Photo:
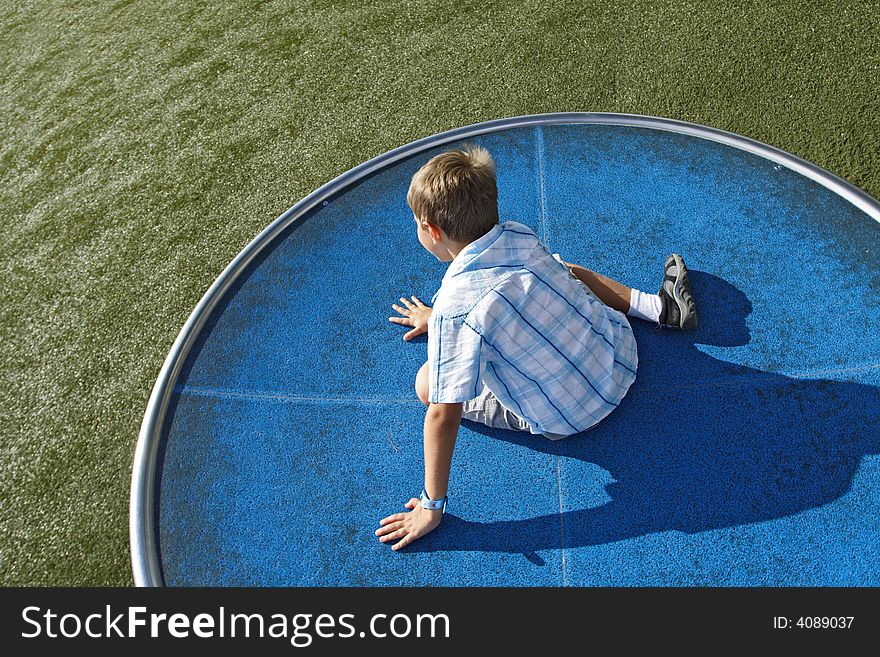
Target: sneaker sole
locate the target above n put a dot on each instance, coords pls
(687, 306)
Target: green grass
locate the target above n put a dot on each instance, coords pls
(145, 143)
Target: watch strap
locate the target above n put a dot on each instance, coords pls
(433, 505)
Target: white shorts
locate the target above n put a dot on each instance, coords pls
(486, 409)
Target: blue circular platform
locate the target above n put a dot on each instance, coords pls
(284, 423)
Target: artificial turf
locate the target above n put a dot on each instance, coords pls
(144, 144)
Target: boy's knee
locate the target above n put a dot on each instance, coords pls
(422, 384)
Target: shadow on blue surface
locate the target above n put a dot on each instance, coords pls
(698, 444)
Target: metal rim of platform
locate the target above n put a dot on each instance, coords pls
(145, 557)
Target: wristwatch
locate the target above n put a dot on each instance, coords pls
(433, 505)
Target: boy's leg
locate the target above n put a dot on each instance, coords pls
(422, 383)
(627, 300)
(610, 292)
(673, 305)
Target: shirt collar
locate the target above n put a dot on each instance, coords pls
(472, 250)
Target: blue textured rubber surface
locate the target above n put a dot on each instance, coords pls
(746, 453)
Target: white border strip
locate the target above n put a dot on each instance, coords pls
(144, 549)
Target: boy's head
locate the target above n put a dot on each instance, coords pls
(456, 192)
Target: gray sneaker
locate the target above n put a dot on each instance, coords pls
(679, 307)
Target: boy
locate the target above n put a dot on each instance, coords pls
(517, 338)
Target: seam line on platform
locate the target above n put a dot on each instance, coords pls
(539, 147)
(747, 380)
(247, 394)
(561, 519)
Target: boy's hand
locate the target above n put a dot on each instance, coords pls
(416, 314)
(408, 526)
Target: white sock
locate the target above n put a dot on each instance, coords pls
(645, 306)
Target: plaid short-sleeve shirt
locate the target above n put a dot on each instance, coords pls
(511, 317)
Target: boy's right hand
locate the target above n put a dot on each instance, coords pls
(408, 526)
(415, 314)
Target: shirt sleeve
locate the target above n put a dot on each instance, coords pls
(455, 364)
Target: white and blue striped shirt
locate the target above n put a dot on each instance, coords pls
(510, 316)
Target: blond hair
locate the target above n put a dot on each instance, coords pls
(456, 190)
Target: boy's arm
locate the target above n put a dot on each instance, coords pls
(441, 429)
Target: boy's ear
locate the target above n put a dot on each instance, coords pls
(435, 232)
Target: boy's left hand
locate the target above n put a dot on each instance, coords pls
(415, 314)
(408, 526)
